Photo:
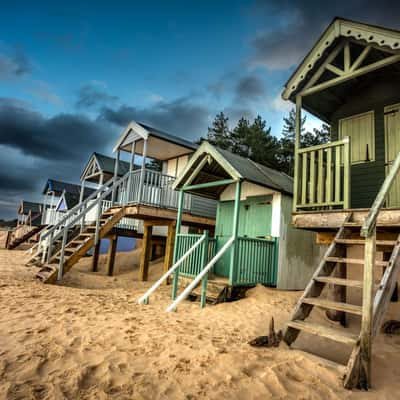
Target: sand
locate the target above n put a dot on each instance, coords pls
(88, 339)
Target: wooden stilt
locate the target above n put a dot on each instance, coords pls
(146, 252)
(95, 257)
(111, 255)
(169, 248)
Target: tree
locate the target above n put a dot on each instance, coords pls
(307, 139)
(219, 134)
(263, 146)
(239, 138)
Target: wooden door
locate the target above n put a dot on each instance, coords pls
(392, 148)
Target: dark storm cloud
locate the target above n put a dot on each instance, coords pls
(180, 117)
(14, 65)
(249, 87)
(93, 95)
(34, 148)
(64, 136)
(285, 43)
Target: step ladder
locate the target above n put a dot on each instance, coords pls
(63, 244)
(335, 260)
(15, 242)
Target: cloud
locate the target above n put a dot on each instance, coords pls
(35, 147)
(284, 44)
(93, 95)
(43, 91)
(14, 65)
(63, 136)
(181, 117)
(249, 87)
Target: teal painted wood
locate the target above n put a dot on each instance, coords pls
(257, 262)
(194, 264)
(204, 260)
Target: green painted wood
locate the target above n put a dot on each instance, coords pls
(222, 182)
(320, 187)
(296, 151)
(312, 177)
(204, 261)
(235, 230)
(338, 175)
(328, 188)
(178, 230)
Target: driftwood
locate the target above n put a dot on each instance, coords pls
(391, 327)
(272, 340)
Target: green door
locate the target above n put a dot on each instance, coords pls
(255, 216)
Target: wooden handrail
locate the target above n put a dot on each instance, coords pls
(324, 146)
(370, 221)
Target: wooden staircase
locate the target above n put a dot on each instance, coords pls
(332, 271)
(15, 242)
(77, 246)
(218, 289)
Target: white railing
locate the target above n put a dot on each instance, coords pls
(200, 276)
(145, 298)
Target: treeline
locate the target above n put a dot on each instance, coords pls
(254, 140)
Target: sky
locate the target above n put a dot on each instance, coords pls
(73, 74)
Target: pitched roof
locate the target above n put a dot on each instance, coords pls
(27, 206)
(137, 130)
(339, 27)
(107, 164)
(53, 185)
(236, 167)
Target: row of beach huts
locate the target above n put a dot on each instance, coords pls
(224, 222)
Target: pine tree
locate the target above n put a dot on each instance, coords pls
(219, 134)
(239, 138)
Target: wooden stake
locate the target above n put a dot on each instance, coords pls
(146, 252)
(111, 255)
(95, 257)
(169, 248)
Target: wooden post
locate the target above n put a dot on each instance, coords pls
(129, 196)
(116, 165)
(178, 231)
(366, 320)
(235, 229)
(296, 149)
(142, 171)
(169, 248)
(82, 190)
(204, 256)
(111, 254)
(146, 252)
(95, 257)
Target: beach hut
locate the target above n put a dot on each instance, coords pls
(143, 194)
(253, 240)
(348, 190)
(29, 216)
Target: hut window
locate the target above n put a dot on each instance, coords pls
(361, 131)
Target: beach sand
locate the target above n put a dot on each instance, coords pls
(88, 339)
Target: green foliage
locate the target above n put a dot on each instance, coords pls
(254, 140)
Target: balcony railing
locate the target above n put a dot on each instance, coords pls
(323, 177)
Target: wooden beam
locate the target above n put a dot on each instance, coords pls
(347, 58)
(199, 167)
(223, 182)
(235, 229)
(169, 248)
(95, 257)
(360, 58)
(111, 255)
(146, 253)
(335, 70)
(351, 75)
(296, 151)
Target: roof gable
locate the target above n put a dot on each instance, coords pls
(384, 38)
(210, 163)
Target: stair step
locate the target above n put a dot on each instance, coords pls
(339, 281)
(325, 331)
(85, 234)
(378, 225)
(333, 305)
(354, 261)
(362, 242)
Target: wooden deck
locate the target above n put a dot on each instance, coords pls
(148, 213)
(331, 220)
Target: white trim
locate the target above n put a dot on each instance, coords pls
(381, 37)
(138, 131)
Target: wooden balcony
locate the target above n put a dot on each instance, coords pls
(322, 177)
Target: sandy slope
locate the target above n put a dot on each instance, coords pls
(87, 339)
